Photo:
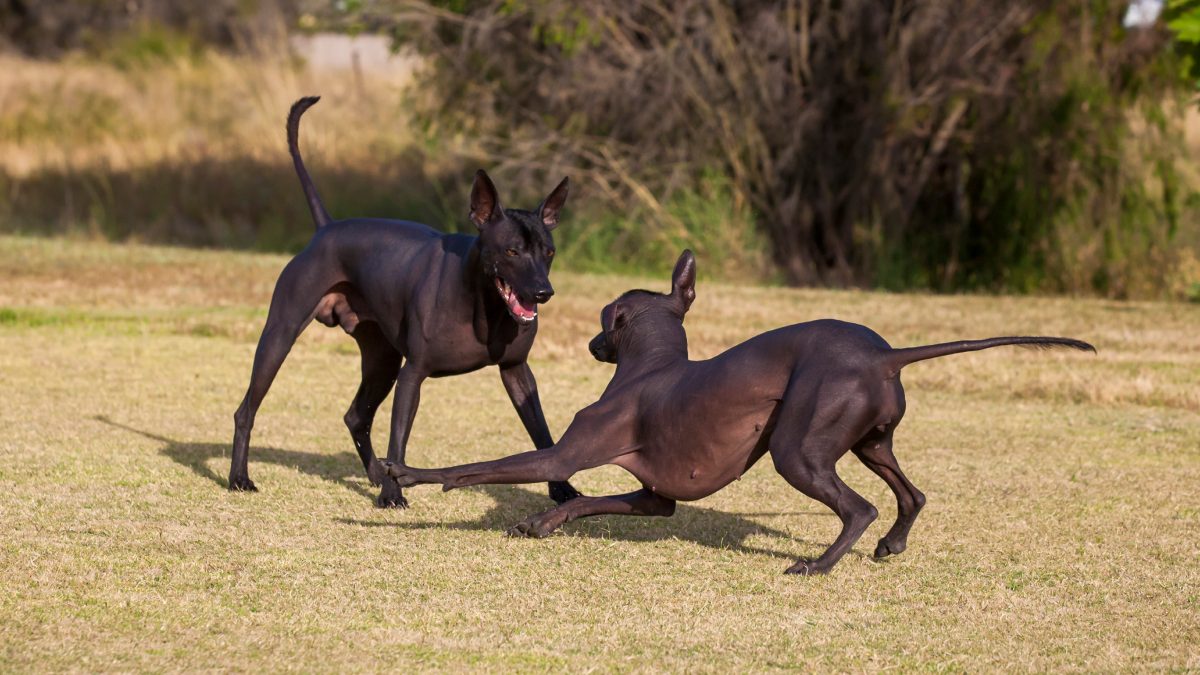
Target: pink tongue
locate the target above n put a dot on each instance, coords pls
(521, 308)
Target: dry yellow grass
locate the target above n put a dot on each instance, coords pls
(79, 114)
(191, 149)
(1061, 534)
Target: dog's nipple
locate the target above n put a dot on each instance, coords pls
(695, 472)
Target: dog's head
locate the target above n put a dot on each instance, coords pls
(516, 248)
(639, 309)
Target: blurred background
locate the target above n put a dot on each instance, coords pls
(1026, 146)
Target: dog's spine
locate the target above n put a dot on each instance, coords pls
(898, 358)
(319, 214)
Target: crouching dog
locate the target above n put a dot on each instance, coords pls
(805, 393)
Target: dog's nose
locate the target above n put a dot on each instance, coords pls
(543, 295)
(598, 348)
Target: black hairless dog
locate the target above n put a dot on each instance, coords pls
(420, 304)
(805, 393)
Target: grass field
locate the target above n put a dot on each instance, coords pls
(1062, 529)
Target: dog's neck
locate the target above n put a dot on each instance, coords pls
(657, 341)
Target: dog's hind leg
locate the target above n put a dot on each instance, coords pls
(292, 308)
(640, 503)
(876, 453)
(380, 363)
(806, 446)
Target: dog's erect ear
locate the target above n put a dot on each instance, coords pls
(484, 202)
(683, 279)
(612, 318)
(552, 204)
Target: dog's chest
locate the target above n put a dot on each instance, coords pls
(456, 348)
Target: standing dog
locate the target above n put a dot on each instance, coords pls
(420, 304)
(805, 393)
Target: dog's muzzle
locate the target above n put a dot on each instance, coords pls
(601, 350)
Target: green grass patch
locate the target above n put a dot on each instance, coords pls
(37, 318)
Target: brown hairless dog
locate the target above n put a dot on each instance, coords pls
(806, 393)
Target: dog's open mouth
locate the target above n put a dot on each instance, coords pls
(521, 310)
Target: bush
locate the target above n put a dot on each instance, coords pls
(1015, 145)
(43, 28)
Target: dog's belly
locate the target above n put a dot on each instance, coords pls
(693, 463)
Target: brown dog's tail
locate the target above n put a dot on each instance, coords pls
(898, 358)
(319, 214)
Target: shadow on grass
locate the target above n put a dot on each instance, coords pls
(704, 526)
(707, 527)
(337, 468)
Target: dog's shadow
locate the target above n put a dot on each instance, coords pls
(510, 504)
(339, 468)
(707, 527)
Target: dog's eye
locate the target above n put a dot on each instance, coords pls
(550, 253)
(512, 253)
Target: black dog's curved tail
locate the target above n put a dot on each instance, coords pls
(898, 358)
(319, 214)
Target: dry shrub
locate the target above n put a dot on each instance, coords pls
(44, 29)
(975, 144)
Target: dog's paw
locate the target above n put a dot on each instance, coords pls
(806, 568)
(886, 548)
(521, 529)
(563, 492)
(399, 474)
(390, 497)
(242, 484)
(398, 501)
(530, 527)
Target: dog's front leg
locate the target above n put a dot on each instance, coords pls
(522, 391)
(527, 467)
(404, 411)
(556, 463)
(595, 437)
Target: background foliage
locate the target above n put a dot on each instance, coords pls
(1020, 145)
(1028, 146)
